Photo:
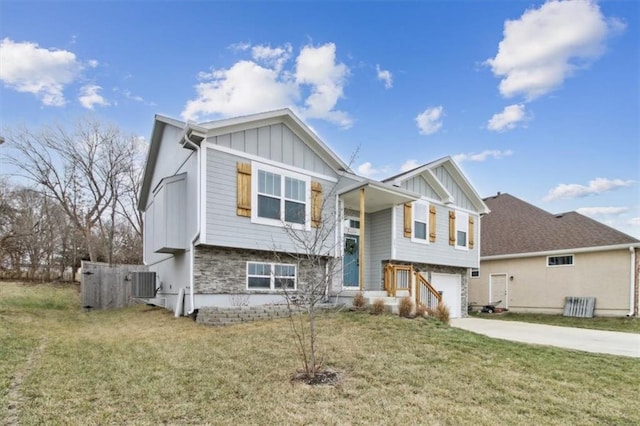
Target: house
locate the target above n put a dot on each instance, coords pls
(222, 199)
(531, 260)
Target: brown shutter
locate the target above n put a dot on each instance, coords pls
(407, 220)
(244, 189)
(316, 204)
(471, 232)
(452, 228)
(432, 224)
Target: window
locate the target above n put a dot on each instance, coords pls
(462, 229)
(560, 260)
(281, 197)
(270, 276)
(420, 213)
(475, 272)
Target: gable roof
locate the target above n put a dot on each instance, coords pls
(427, 171)
(517, 227)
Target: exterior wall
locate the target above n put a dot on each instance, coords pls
(225, 228)
(438, 252)
(537, 288)
(378, 246)
(221, 272)
(419, 185)
(449, 182)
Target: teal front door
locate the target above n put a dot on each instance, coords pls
(350, 262)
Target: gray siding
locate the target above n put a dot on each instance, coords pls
(225, 228)
(378, 244)
(419, 185)
(439, 252)
(461, 199)
(277, 143)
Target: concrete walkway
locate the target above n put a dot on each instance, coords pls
(597, 341)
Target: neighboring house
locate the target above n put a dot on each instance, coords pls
(220, 199)
(531, 260)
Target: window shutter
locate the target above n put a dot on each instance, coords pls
(432, 224)
(316, 204)
(471, 232)
(407, 220)
(244, 189)
(452, 228)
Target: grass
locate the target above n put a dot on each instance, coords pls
(627, 325)
(141, 365)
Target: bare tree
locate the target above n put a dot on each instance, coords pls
(84, 170)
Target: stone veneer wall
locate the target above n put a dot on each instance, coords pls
(223, 270)
(440, 269)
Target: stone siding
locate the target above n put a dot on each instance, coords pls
(216, 316)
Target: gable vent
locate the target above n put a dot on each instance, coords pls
(143, 284)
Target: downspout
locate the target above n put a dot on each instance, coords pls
(196, 235)
(632, 282)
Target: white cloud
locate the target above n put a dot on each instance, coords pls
(602, 211)
(28, 68)
(409, 165)
(546, 45)
(430, 120)
(634, 221)
(507, 119)
(596, 186)
(385, 76)
(90, 96)
(265, 83)
(482, 156)
(368, 170)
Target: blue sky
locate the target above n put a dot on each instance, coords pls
(537, 99)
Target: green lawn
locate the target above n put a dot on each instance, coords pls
(141, 365)
(627, 325)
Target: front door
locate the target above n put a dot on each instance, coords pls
(350, 263)
(498, 290)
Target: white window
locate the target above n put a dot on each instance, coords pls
(462, 230)
(420, 213)
(270, 276)
(282, 197)
(475, 272)
(566, 260)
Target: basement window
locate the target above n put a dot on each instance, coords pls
(270, 276)
(566, 260)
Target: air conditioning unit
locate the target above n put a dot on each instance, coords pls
(143, 284)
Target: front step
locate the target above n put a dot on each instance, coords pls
(391, 303)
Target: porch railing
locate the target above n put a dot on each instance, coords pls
(426, 294)
(399, 277)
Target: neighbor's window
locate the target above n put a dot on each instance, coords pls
(281, 197)
(420, 212)
(475, 272)
(462, 229)
(566, 260)
(270, 276)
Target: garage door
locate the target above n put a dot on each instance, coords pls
(450, 285)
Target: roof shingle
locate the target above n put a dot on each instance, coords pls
(515, 226)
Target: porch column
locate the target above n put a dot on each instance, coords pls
(362, 236)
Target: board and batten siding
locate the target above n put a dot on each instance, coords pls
(378, 245)
(461, 199)
(438, 252)
(224, 227)
(277, 143)
(419, 185)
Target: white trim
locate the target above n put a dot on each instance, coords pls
(573, 260)
(506, 288)
(255, 168)
(272, 276)
(267, 161)
(632, 282)
(349, 230)
(393, 231)
(555, 252)
(471, 273)
(203, 196)
(462, 225)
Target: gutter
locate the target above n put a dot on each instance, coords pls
(632, 283)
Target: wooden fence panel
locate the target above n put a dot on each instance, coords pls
(106, 286)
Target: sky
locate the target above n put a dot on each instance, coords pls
(537, 99)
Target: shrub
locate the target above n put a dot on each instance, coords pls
(442, 313)
(358, 301)
(421, 310)
(377, 307)
(405, 307)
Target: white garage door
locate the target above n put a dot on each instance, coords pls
(451, 287)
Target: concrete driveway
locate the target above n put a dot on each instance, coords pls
(597, 341)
